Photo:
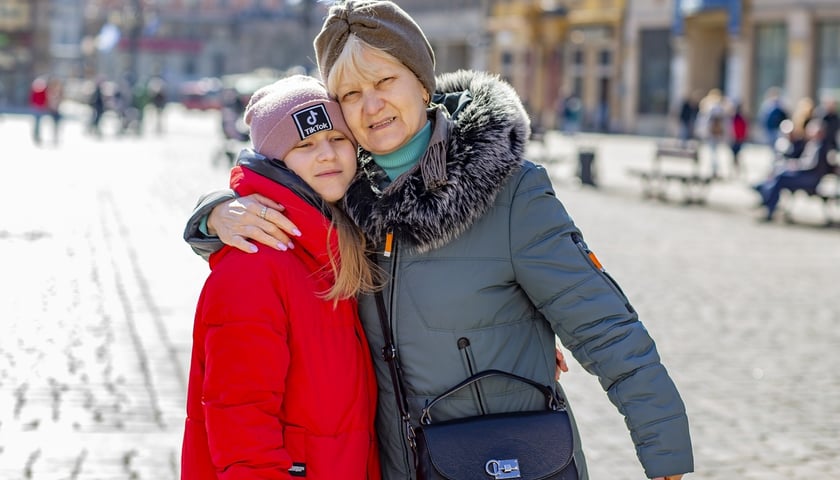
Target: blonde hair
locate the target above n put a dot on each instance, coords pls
(350, 62)
(353, 269)
(803, 112)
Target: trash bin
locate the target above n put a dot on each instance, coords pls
(586, 166)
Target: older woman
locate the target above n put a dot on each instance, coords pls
(486, 266)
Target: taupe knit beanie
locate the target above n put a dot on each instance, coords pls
(379, 23)
(287, 111)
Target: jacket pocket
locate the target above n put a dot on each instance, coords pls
(590, 257)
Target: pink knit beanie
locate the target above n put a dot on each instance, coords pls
(287, 111)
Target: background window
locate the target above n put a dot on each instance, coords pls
(828, 60)
(771, 46)
(654, 71)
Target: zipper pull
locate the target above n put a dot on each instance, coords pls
(579, 241)
(595, 260)
(389, 244)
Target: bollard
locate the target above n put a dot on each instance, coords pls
(586, 166)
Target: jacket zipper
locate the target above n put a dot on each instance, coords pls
(466, 351)
(390, 251)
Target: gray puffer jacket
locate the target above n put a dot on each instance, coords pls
(486, 267)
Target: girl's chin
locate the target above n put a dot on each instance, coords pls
(332, 193)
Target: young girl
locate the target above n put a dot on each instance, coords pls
(281, 381)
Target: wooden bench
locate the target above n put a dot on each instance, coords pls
(828, 192)
(674, 163)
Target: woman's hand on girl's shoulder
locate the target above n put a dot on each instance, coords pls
(252, 217)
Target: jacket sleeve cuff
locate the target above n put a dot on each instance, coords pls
(678, 458)
(195, 233)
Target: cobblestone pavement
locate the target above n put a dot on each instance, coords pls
(98, 291)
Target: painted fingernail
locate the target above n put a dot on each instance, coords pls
(282, 246)
(291, 245)
(296, 232)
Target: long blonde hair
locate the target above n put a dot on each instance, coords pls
(353, 269)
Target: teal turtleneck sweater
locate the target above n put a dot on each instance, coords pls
(401, 160)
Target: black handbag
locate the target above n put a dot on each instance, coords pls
(526, 445)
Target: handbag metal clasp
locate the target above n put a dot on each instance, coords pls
(500, 469)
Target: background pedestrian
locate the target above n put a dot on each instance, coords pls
(38, 105)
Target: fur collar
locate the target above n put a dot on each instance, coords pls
(480, 131)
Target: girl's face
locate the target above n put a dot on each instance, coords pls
(326, 161)
(385, 109)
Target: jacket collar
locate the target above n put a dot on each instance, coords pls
(255, 173)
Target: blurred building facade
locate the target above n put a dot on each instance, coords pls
(20, 44)
(632, 62)
(184, 40)
(742, 47)
(629, 63)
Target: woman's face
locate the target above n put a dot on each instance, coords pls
(326, 161)
(385, 109)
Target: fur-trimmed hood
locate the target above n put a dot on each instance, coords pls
(480, 131)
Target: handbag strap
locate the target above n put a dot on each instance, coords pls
(552, 402)
(389, 354)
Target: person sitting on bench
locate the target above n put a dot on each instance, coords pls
(804, 174)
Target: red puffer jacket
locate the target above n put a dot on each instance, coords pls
(281, 383)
